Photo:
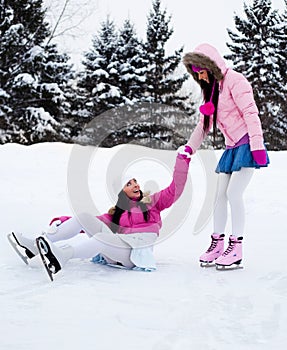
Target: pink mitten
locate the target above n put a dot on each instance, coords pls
(60, 220)
(260, 156)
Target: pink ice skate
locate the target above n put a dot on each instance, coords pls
(214, 251)
(232, 257)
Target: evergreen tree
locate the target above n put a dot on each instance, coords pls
(100, 78)
(282, 41)
(132, 65)
(33, 76)
(279, 127)
(121, 71)
(163, 84)
(257, 53)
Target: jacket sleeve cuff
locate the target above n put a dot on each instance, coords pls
(256, 143)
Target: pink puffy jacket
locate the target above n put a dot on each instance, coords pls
(161, 200)
(237, 113)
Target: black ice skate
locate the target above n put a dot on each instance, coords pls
(49, 260)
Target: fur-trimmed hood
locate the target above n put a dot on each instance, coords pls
(205, 56)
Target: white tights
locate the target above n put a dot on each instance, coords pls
(230, 189)
(101, 240)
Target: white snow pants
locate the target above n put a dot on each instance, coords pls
(230, 189)
(101, 240)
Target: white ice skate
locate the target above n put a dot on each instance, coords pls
(23, 246)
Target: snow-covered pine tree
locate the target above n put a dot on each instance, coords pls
(163, 83)
(100, 77)
(119, 72)
(163, 86)
(33, 76)
(257, 53)
(132, 65)
(279, 126)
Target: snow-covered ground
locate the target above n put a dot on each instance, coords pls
(180, 306)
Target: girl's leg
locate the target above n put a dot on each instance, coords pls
(219, 221)
(70, 228)
(220, 210)
(237, 185)
(107, 244)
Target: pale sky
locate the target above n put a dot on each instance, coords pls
(193, 23)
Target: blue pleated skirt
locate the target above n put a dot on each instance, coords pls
(234, 159)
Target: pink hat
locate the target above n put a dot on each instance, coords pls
(197, 69)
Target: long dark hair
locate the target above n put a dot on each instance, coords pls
(123, 204)
(207, 92)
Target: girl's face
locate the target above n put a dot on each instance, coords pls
(132, 189)
(202, 75)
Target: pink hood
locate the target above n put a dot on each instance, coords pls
(213, 54)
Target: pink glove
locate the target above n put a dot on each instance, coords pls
(61, 219)
(55, 222)
(260, 156)
(185, 152)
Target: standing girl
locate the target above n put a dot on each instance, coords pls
(230, 106)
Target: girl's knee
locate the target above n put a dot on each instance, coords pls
(233, 196)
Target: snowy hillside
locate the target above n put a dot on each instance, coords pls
(180, 306)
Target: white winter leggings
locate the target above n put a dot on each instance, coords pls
(230, 189)
(101, 240)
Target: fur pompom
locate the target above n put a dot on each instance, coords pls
(112, 210)
(207, 109)
(146, 198)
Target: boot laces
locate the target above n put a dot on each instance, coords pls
(212, 246)
(229, 248)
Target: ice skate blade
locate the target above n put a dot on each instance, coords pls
(228, 268)
(207, 264)
(15, 246)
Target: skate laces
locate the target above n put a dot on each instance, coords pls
(229, 248)
(212, 246)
